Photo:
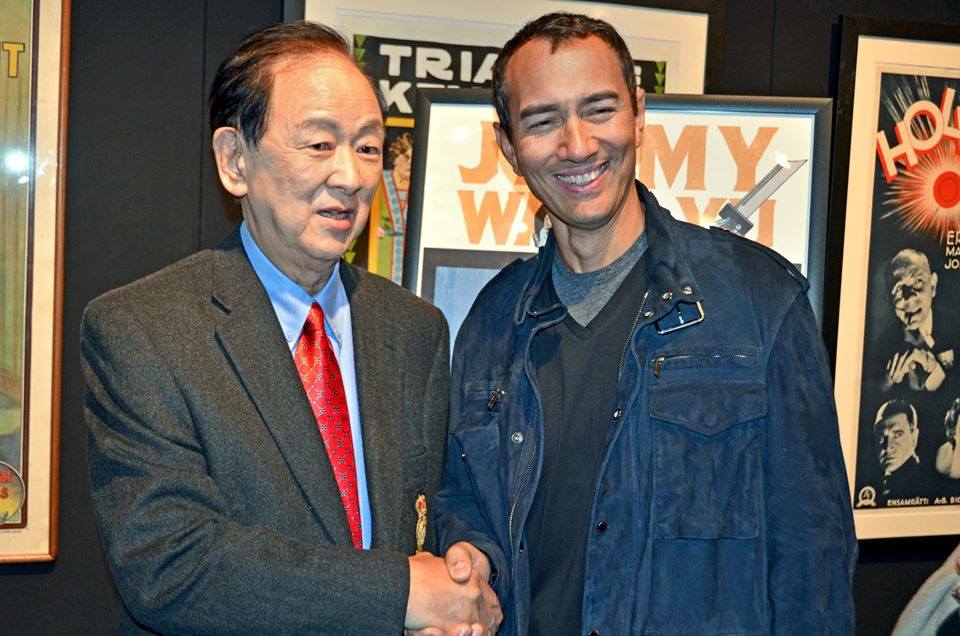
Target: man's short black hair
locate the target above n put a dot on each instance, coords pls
(893, 408)
(559, 28)
(240, 93)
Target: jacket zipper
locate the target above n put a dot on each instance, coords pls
(523, 481)
(658, 361)
(516, 500)
(499, 393)
(626, 345)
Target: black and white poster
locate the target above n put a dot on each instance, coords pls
(908, 446)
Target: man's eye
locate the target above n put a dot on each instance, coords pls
(540, 124)
(369, 150)
(321, 145)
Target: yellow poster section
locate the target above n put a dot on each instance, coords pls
(15, 74)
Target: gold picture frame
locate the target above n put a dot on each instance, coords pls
(34, 65)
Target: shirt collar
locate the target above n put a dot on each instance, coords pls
(292, 303)
(667, 268)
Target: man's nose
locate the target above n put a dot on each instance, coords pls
(345, 170)
(577, 142)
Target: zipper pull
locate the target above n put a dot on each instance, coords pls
(499, 393)
(657, 365)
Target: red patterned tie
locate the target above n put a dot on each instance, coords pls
(321, 379)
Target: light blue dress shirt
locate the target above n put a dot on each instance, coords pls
(292, 303)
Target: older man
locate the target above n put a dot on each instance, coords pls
(920, 356)
(266, 421)
(643, 437)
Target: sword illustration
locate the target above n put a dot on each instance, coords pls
(736, 218)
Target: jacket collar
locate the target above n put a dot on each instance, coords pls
(671, 282)
(250, 335)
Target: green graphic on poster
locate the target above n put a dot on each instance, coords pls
(16, 25)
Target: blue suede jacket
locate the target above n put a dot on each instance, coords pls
(722, 505)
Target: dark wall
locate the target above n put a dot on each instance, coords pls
(142, 193)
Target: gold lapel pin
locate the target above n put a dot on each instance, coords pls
(421, 507)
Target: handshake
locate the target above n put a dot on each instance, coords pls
(451, 596)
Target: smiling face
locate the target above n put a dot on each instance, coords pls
(574, 133)
(307, 187)
(912, 288)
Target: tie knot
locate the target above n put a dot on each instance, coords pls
(314, 319)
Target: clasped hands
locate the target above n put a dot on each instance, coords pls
(451, 596)
(920, 365)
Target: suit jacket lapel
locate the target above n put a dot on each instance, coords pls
(254, 345)
(379, 386)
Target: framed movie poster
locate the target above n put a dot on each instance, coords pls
(453, 44)
(898, 344)
(33, 74)
(470, 214)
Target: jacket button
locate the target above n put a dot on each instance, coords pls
(463, 457)
(594, 632)
(522, 546)
(602, 527)
(667, 295)
(517, 438)
(648, 313)
(687, 290)
(617, 414)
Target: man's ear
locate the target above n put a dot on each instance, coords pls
(506, 146)
(933, 284)
(227, 151)
(641, 104)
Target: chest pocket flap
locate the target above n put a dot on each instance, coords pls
(706, 476)
(709, 409)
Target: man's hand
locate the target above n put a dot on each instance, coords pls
(438, 604)
(930, 374)
(463, 558)
(897, 367)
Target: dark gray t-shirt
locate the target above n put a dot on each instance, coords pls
(576, 374)
(585, 294)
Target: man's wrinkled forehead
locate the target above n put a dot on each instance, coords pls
(907, 268)
(909, 273)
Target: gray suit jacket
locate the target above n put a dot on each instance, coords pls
(215, 500)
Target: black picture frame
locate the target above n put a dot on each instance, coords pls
(852, 27)
(859, 323)
(819, 110)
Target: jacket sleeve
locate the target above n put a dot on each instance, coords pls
(436, 395)
(181, 563)
(811, 544)
(459, 517)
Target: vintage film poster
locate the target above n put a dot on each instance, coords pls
(907, 452)
(402, 67)
(475, 215)
(472, 214)
(700, 153)
(439, 44)
(32, 81)
(16, 32)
